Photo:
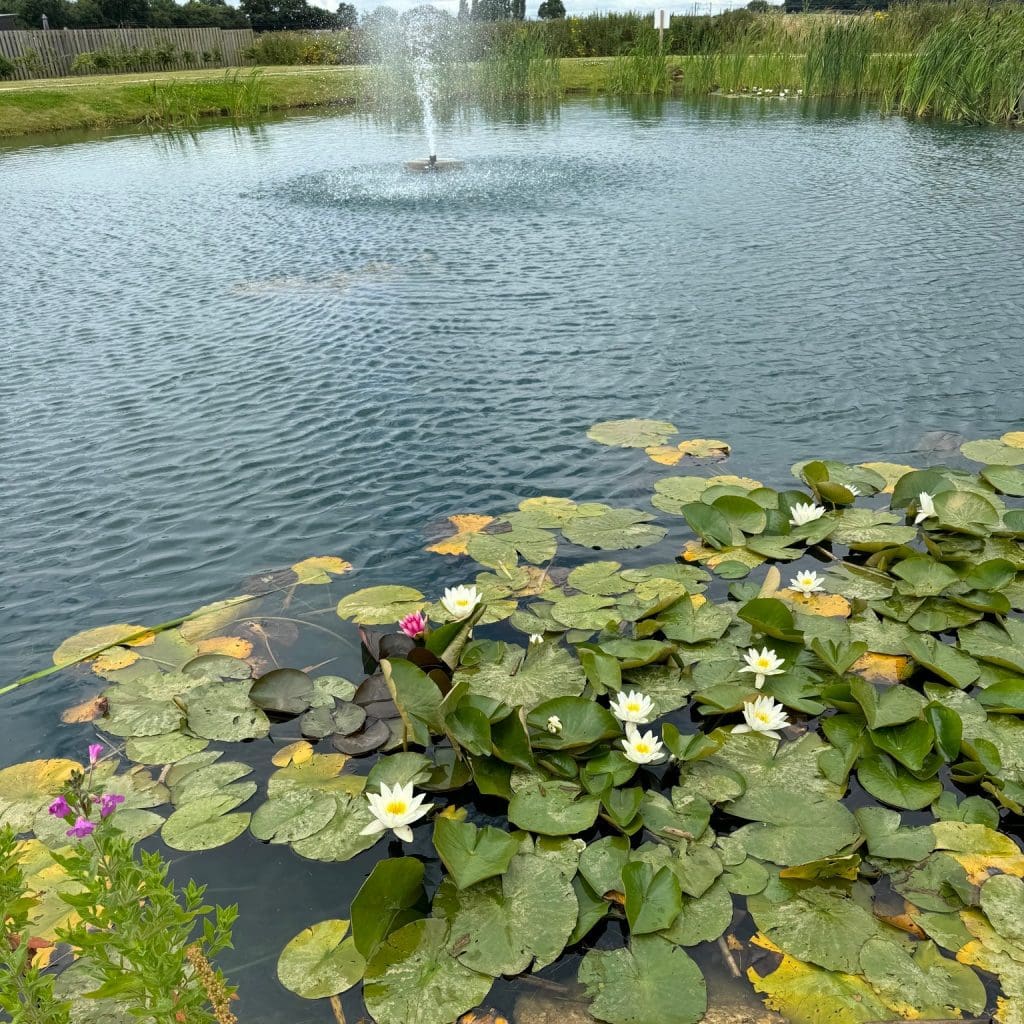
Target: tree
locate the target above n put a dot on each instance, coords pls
(759, 6)
(492, 10)
(463, 10)
(347, 16)
(284, 15)
(551, 9)
(128, 13)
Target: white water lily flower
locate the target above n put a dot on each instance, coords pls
(536, 638)
(763, 715)
(762, 663)
(632, 707)
(926, 507)
(805, 513)
(853, 489)
(459, 602)
(641, 748)
(554, 724)
(807, 582)
(395, 808)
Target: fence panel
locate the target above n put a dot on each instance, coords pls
(52, 53)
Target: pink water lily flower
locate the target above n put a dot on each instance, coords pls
(413, 625)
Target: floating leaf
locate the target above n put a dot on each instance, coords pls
(204, 824)
(285, 691)
(320, 569)
(211, 619)
(320, 961)
(341, 838)
(377, 606)
(890, 472)
(223, 711)
(90, 642)
(524, 917)
(883, 668)
(389, 899)
(652, 980)
(295, 814)
(995, 453)
(472, 854)
(231, 646)
(552, 808)
(614, 530)
(599, 578)
(113, 659)
(635, 433)
(697, 448)
(88, 711)
(465, 527)
(298, 752)
(412, 979)
(165, 749)
(26, 787)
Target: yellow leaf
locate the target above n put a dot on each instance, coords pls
(320, 569)
(538, 581)
(298, 752)
(694, 551)
(697, 600)
(883, 668)
(697, 448)
(833, 606)
(772, 581)
(46, 880)
(113, 659)
(980, 866)
(88, 711)
(890, 472)
(735, 481)
(1015, 438)
(454, 813)
(26, 787)
(465, 526)
(232, 646)
(92, 641)
(212, 618)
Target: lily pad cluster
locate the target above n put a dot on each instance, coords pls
(593, 756)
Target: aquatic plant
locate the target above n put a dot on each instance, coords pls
(682, 741)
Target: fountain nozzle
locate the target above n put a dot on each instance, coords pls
(432, 162)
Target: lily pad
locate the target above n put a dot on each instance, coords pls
(412, 979)
(616, 529)
(652, 980)
(320, 961)
(295, 814)
(205, 824)
(320, 569)
(223, 711)
(286, 691)
(633, 433)
(26, 787)
(378, 606)
(389, 899)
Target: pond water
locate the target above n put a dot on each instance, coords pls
(227, 351)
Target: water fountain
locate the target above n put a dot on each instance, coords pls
(422, 35)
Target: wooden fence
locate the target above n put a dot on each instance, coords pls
(52, 53)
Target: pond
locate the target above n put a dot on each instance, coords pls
(228, 351)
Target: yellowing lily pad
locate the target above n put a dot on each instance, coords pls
(830, 605)
(92, 641)
(697, 448)
(320, 569)
(211, 619)
(88, 711)
(631, 433)
(883, 668)
(1014, 438)
(465, 526)
(26, 787)
(298, 752)
(113, 659)
(232, 646)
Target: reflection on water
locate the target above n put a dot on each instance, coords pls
(227, 351)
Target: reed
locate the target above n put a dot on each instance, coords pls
(644, 71)
(519, 66)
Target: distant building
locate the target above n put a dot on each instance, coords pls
(7, 22)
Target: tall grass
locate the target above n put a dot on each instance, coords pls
(642, 72)
(519, 66)
(177, 105)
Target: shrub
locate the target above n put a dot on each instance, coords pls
(7, 67)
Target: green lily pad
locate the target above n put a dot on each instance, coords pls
(652, 980)
(472, 854)
(296, 814)
(634, 433)
(127, 717)
(411, 978)
(378, 606)
(340, 839)
(552, 808)
(996, 453)
(286, 691)
(585, 611)
(223, 711)
(599, 578)
(320, 961)
(166, 749)
(205, 823)
(389, 899)
(615, 529)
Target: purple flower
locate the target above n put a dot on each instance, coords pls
(82, 827)
(59, 807)
(95, 749)
(413, 625)
(108, 801)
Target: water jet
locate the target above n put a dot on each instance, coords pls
(432, 163)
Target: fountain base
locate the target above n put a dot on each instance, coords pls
(433, 165)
